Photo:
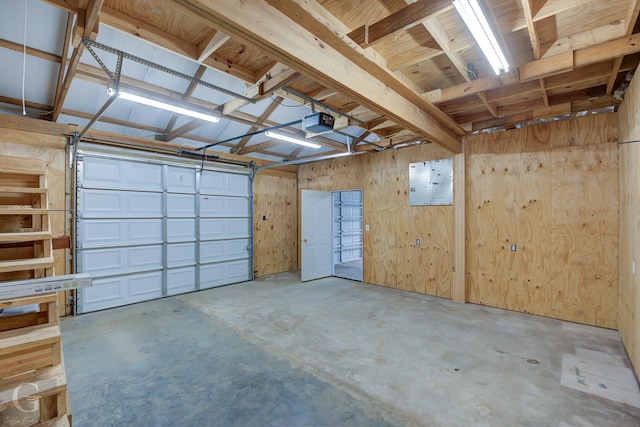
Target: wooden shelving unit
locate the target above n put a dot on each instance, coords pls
(25, 228)
(33, 387)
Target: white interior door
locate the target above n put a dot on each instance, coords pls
(316, 234)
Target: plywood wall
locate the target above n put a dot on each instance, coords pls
(391, 256)
(551, 190)
(629, 299)
(275, 223)
(51, 150)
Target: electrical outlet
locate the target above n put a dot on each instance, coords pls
(418, 242)
(366, 227)
(633, 268)
(513, 248)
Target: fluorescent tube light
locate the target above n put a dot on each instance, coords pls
(293, 140)
(168, 107)
(478, 25)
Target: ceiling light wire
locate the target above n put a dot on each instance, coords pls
(24, 60)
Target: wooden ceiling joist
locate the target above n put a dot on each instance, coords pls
(322, 61)
(403, 19)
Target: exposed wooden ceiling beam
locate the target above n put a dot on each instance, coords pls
(89, 25)
(259, 147)
(403, 19)
(30, 51)
(63, 60)
(267, 84)
(264, 116)
(608, 32)
(153, 35)
(547, 8)
(568, 61)
(112, 121)
(631, 18)
(527, 8)
(28, 104)
(187, 94)
(294, 154)
(70, 6)
(332, 62)
(211, 44)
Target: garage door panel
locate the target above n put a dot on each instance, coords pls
(224, 228)
(142, 236)
(181, 180)
(119, 232)
(222, 206)
(181, 280)
(120, 204)
(112, 261)
(181, 230)
(221, 183)
(223, 250)
(212, 275)
(181, 254)
(115, 174)
(121, 290)
(181, 205)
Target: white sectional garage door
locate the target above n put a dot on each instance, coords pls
(149, 228)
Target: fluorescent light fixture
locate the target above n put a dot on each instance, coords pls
(478, 25)
(293, 140)
(168, 107)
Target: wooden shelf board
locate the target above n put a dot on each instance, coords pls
(23, 211)
(25, 264)
(31, 236)
(23, 190)
(16, 340)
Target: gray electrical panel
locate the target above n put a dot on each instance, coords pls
(431, 183)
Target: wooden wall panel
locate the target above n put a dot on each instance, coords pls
(552, 191)
(391, 256)
(275, 238)
(629, 286)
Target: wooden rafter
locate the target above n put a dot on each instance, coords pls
(365, 81)
(211, 44)
(264, 116)
(153, 35)
(88, 22)
(187, 94)
(580, 58)
(63, 60)
(403, 19)
(631, 18)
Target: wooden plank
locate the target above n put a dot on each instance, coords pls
(377, 88)
(18, 47)
(26, 264)
(527, 9)
(210, 45)
(22, 166)
(33, 299)
(547, 67)
(40, 388)
(27, 338)
(403, 19)
(458, 291)
(22, 211)
(21, 190)
(567, 61)
(24, 237)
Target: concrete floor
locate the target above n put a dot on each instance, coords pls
(337, 352)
